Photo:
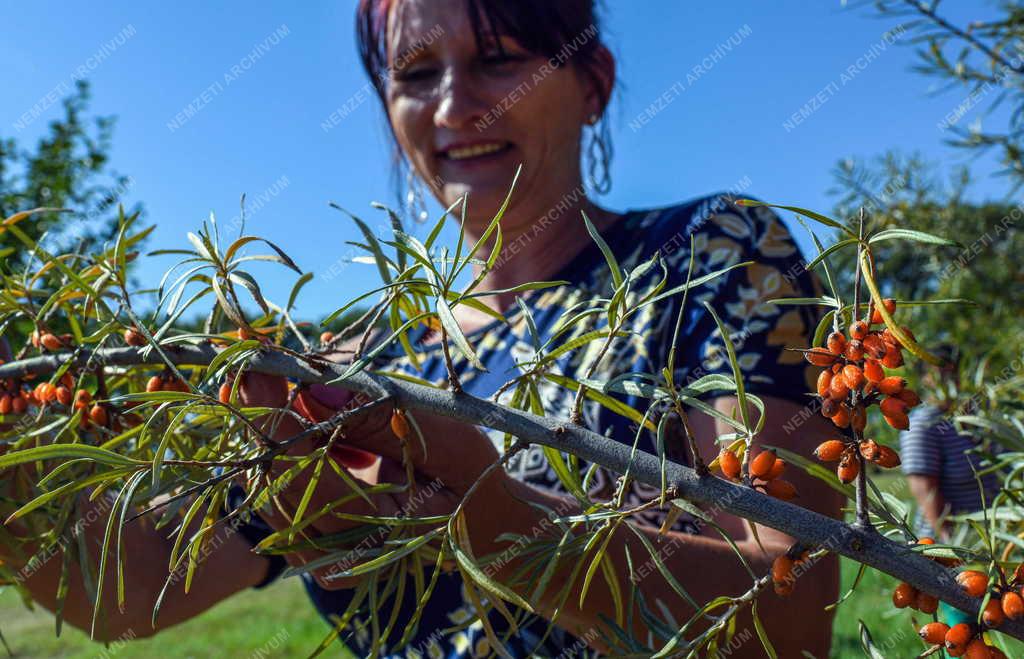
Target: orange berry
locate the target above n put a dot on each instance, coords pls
(224, 393)
(781, 489)
(829, 407)
(993, 615)
(842, 417)
(34, 338)
(926, 603)
(98, 415)
(836, 368)
(783, 588)
(819, 357)
(899, 421)
(63, 395)
(910, 397)
(887, 458)
(904, 596)
(399, 424)
(824, 382)
(874, 346)
(859, 330)
(957, 638)
(873, 370)
(892, 406)
(838, 388)
(67, 380)
(729, 463)
(5, 404)
(849, 467)
(977, 649)
(869, 448)
(934, 633)
(854, 376)
(829, 451)
(836, 343)
(134, 337)
(45, 392)
(855, 350)
(777, 468)
(19, 405)
(50, 342)
(762, 463)
(869, 388)
(782, 569)
(1013, 605)
(155, 383)
(82, 398)
(246, 335)
(876, 315)
(326, 338)
(893, 359)
(973, 582)
(892, 385)
(858, 419)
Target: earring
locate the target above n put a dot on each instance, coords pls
(599, 155)
(415, 200)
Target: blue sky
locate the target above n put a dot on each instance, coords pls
(264, 124)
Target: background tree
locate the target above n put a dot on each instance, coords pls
(984, 58)
(68, 168)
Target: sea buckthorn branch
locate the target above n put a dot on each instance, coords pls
(807, 527)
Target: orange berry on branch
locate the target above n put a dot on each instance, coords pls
(63, 395)
(50, 342)
(82, 398)
(904, 596)
(824, 382)
(859, 330)
(899, 421)
(67, 380)
(849, 468)
(781, 489)
(858, 419)
(782, 569)
(926, 603)
(326, 338)
(829, 407)
(876, 315)
(887, 458)
(155, 383)
(762, 463)
(910, 397)
(99, 415)
(34, 338)
(892, 385)
(873, 371)
(893, 359)
(838, 389)
(224, 393)
(855, 350)
(729, 463)
(869, 448)
(874, 346)
(819, 356)
(399, 424)
(777, 469)
(830, 451)
(854, 376)
(134, 337)
(5, 404)
(934, 633)
(974, 583)
(836, 343)
(957, 638)
(1013, 605)
(977, 649)
(842, 416)
(18, 405)
(993, 615)
(893, 406)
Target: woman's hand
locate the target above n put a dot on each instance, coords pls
(451, 457)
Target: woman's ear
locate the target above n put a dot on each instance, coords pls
(600, 83)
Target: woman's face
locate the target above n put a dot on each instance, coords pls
(466, 117)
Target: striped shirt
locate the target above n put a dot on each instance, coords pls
(933, 447)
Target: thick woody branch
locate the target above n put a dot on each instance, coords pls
(807, 527)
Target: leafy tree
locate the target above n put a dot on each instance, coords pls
(983, 58)
(68, 168)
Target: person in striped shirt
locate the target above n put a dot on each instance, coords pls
(939, 462)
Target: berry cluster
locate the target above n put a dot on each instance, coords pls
(960, 640)
(784, 572)
(765, 469)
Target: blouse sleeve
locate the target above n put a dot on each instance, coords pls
(760, 332)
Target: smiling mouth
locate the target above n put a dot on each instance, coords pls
(474, 151)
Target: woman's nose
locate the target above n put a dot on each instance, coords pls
(460, 103)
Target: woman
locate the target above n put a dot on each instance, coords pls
(471, 89)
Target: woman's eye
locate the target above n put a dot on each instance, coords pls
(500, 61)
(414, 74)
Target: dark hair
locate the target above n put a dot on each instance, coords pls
(563, 31)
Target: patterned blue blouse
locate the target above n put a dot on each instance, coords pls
(723, 235)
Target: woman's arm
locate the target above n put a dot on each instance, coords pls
(930, 500)
(704, 565)
(229, 567)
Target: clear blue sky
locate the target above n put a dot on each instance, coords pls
(260, 128)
